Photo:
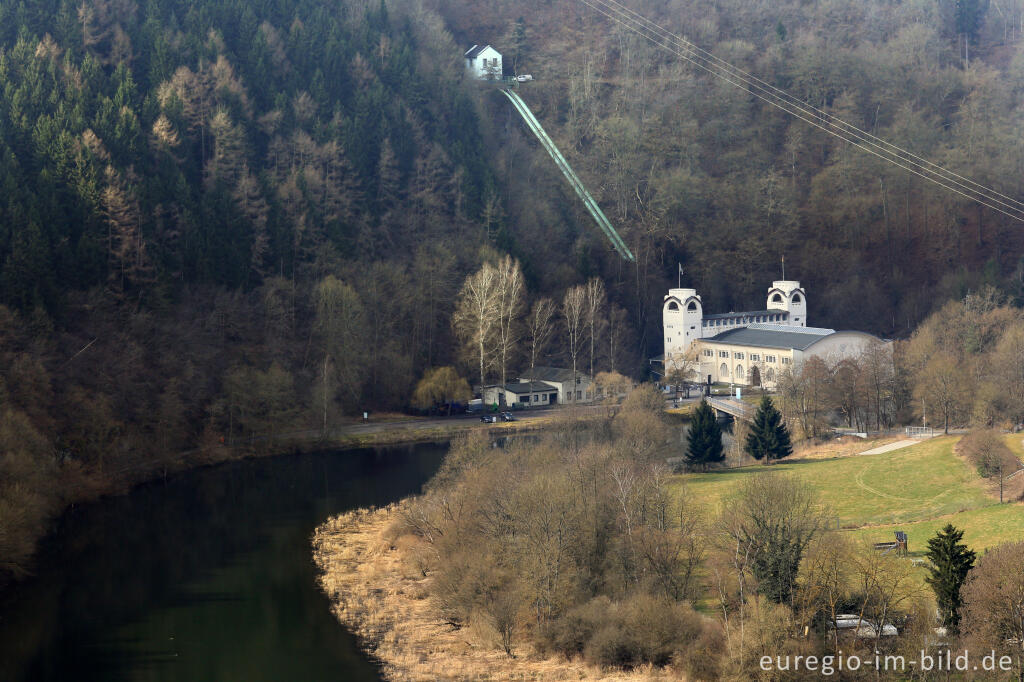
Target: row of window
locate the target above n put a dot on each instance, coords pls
(580, 395)
(740, 375)
(743, 320)
(754, 357)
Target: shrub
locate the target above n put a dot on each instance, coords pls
(986, 451)
(613, 646)
(699, 658)
(641, 629)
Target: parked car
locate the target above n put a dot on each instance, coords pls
(861, 628)
(508, 416)
(525, 78)
(489, 418)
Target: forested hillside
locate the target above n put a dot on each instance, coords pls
(220, 219)
(695, 170)
(200, 203)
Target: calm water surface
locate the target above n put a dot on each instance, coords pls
(207, 576)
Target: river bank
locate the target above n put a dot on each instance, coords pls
(204, 576)
(378, 592)
(79, 485)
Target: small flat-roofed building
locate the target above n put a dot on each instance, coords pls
(756, 355)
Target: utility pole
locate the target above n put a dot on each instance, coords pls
(1000, 483)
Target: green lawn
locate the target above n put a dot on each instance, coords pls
(916, 489)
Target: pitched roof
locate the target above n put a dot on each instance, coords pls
(748, 313)
(474, 51)
(549, 374)
(772, 336)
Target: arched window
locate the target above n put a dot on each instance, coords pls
(777, 298)
(691, 306)
(796, 298)
(723, 371)
(740, 376)
(673, 306)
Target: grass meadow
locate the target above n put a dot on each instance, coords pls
(917, 489)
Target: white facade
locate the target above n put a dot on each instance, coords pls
(484, 62)
(684, 320)
(787, 295)
(759, 356)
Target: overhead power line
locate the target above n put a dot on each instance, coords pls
(811, 115)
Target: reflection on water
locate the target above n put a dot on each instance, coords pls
(207, 576)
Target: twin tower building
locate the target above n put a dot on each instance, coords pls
(752, 348)
(685, 321)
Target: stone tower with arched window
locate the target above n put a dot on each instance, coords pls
(684, 322)
(787, 295)
(682, 315)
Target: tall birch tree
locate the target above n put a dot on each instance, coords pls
(540, 326)
(594, 304)
(510, 309)
(574, 307)
(477, 315)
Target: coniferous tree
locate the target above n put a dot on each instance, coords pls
(704, 442)
(951, 561)
(769, 437)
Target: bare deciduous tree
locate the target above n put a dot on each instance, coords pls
(540, 326)
(595, 301)
(993, 603)
(510, 306)
(574, 311)
(477, 314)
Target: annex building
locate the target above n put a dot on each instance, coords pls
(750, 348)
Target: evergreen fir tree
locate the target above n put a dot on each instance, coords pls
(768, 438)
(951, 561)
(704, 444)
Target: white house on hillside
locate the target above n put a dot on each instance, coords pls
(484, 62)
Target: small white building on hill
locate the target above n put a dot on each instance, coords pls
(484, 62)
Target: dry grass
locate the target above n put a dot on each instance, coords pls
(377, 591)
(843, 446)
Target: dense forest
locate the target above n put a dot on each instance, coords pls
(221, 218)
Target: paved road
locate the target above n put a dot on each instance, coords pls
(458, 421)
(889, 447)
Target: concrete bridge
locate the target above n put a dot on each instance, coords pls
(737, 409)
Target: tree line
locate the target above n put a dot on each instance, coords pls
(964, 366)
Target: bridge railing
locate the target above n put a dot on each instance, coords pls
(734, 407)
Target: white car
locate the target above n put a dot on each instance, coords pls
(862, 627)
(525, 78)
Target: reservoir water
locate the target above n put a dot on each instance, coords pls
(206, 576)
